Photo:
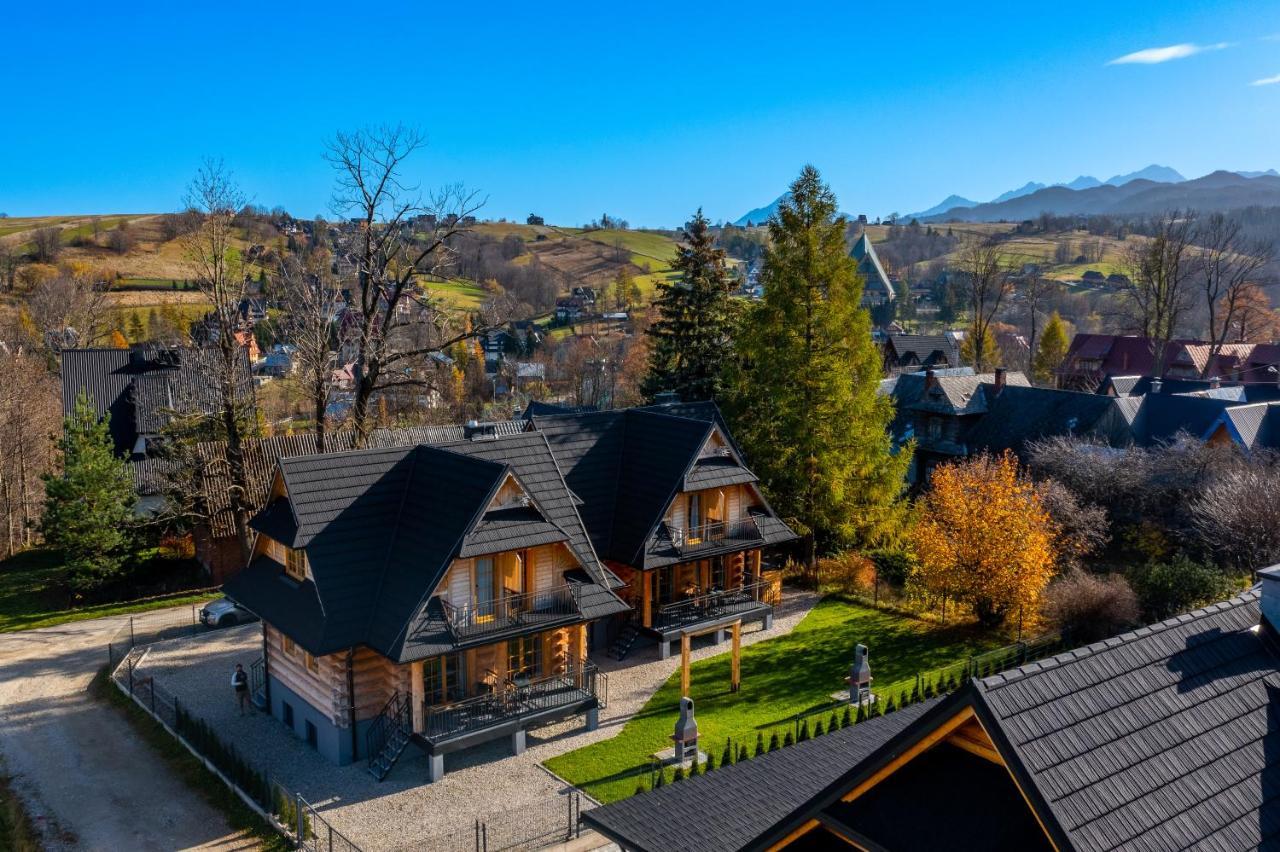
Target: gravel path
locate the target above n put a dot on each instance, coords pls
(403, 811)
(86, 779)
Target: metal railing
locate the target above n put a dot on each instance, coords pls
(389, 728)
(715, 534)
(258, 681)
(512, 609)
(577, 684)
(712, 605)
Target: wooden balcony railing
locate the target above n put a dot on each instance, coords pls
(715, 534)
(712, 605)
(511, 610)
(517, 699)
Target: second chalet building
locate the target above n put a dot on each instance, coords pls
(446, 595)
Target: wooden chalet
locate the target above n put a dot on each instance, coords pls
(675, 513)
(436, 596)
(448, 592)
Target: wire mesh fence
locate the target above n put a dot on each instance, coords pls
(290, 813)
(525, 828)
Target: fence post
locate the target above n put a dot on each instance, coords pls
(131, 632)
(477, 834)
(297, 806)
(330, 837)
(153, 699)
(131, 676)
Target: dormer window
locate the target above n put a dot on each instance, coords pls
(295, 564)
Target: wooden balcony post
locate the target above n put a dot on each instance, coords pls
(646, 599)
(417, 695)
(755, 565)
(735, 673)
(685, 643)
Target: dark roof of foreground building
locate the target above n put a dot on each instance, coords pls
(1165, 737)
(626, 466)
(382, 526)
(727, 809)
(1019, 415)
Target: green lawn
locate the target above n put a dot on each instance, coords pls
(30, 596)
(658, 249)
(783, 678)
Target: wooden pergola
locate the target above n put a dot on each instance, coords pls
(686, 642)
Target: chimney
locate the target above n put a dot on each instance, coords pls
(666, 398)
(1156, 385)
(1269, 578)
(1001, 374)
(1215, 382)
(930, 379)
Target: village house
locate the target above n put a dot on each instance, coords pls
(913, 352)
(675, 514)
(445, 589)
(877, 289)
(434, 594)
(1162, 738)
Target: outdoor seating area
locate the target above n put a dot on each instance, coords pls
(712, 605)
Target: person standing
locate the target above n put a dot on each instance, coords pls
(240, 680)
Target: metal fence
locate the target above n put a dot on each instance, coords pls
(286, 809)
(147, 628)
(522, 829)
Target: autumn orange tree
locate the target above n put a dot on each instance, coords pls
(983, 538)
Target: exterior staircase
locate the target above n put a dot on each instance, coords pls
(622, 643)
(389, 735)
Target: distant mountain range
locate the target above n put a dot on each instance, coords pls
(1149, 190)
(1124, 195)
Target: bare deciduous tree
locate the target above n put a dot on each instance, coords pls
(1162, 271)
(1035, 290)
(46, 244)
(1229, 265)
(67, 311)
(1238, 515)
(219, 273)
(986, 283)
(395, 242)
(311, 302)
(29, 417)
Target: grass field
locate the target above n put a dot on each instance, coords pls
(458, 293)
(30, 595)
(782, 678)
(659, 249)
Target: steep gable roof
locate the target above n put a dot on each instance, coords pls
(1018, 415)
(873, 274)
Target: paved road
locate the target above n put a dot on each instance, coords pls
(87, 780)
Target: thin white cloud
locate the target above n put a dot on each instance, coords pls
(1266, 81)
(1156, 55)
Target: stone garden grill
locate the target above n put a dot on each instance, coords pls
(686, 735)
(860, 677)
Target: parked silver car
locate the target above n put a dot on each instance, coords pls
(225, 612)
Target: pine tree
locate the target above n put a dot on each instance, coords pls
(710, 764)
(726, 759)
(847, 719)
(678, 775)
(862, 713)
(759, 743)
(1051, 350)
(804, 393)
(804, 731)
(136, 331)
(742, 754)
(691, 338)
(661, 780)
(788, 740)
(88, 510)
(833, 724)
(818, 730)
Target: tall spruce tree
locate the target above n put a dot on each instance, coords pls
(804, 396)
(691, 338)
(88, 510)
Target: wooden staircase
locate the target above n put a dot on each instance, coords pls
(389, 735)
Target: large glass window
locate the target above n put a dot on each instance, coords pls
(442, 678)
(524, 657)
(295, 564)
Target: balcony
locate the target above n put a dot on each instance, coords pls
(513, 611)
(714, 606)
(513, 705)
(715, 535)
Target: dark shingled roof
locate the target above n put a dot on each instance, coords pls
(1162, 738)
(136, 386)
(628, 464)
(381, 527)
(727, 809)
(261, 455)
(1019, 415)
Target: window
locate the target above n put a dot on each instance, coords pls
(310, 662)
(295, 563)
(935, 427)
(287, 644)
(695, 511)
(484, 590)
(286, 710)
(524, 657)
(442, 678)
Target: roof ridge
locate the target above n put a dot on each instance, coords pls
(1011, 676)
(391, 541)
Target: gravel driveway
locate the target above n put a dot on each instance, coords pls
(403, 811)
(86, 779)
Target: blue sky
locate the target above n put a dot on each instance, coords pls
(645, 111)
